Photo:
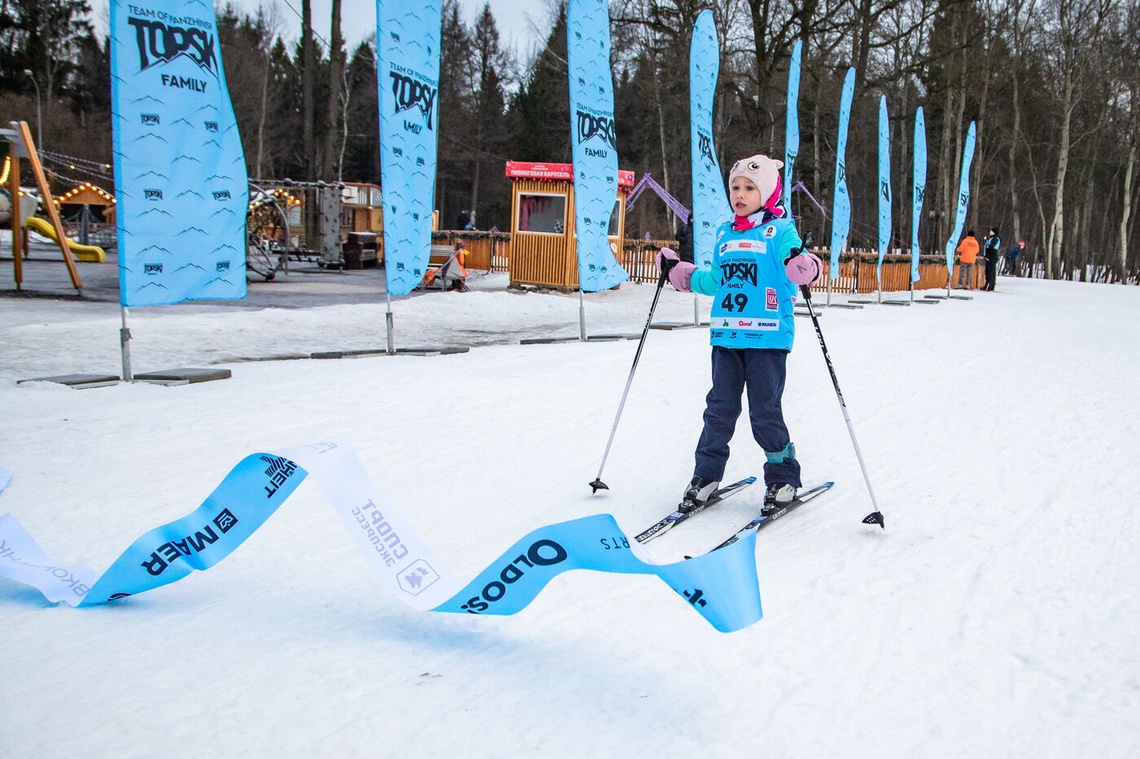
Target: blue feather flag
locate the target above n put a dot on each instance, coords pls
(841, 203)
(710, 201)
(180, 176)
(594, 142)
(884, 183)
(407, 65)
(963, 200)
(919, 190)
(792, 123)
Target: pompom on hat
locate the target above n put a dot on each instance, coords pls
(762, 171)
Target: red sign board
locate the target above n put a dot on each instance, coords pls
(562, 172)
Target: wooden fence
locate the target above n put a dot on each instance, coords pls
(490, 251)
(857, 270)
(857, 273)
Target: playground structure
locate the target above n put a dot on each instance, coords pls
(89, 214)
(17, 144)
(286, 220)
(267, 233)
(307, 221)
(648, 182)
(27, 203)
(92, 253)
(544, 248)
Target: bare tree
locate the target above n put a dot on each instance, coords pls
(251, 76)
(335, 89)
(1075, 33)
(1022, 15)
(1126, 49)
(455, 119)
(491, 69)
(308, 79)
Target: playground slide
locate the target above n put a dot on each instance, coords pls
(91, 253)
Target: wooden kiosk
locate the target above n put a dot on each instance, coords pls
(94, 205)
(544, 249)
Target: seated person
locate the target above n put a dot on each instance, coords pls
(452, 274)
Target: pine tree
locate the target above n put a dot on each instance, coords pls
(452, 164)
(362, 147)
(491, 68)
(539, 115)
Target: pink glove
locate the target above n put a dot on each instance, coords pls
(680, 272)
(804, 268)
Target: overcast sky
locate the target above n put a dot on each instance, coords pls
(522, 23)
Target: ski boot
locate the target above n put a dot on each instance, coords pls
(698, 491)
(778, 495)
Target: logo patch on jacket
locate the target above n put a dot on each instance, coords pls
(752, 246)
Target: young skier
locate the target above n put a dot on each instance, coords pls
(755, 271)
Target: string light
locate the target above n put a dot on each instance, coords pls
(85, 187)
(97, 168)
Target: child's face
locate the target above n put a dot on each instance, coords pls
(744, 196)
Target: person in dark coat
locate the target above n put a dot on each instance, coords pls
(992, 250)
(685, 241)
(1011, 255)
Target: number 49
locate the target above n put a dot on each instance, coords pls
(734, 302)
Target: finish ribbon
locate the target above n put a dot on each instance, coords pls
(721, 585)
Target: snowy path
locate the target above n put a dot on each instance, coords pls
(996, 615)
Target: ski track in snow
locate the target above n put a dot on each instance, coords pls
(995, 616)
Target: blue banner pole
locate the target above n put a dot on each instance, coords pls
(841, 202)
(180, 179)
(710, 201)
(963, 204)
(594, 143)
(919, 193)
(407, 66)
(792, 123)
(884, 189)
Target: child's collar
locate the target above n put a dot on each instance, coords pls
(774, 210)
(742, 223)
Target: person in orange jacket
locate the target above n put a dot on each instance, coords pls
(454, 270)
(452, 273)
(968, 254)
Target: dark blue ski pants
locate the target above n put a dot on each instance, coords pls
(760, 371)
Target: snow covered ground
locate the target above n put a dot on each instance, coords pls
(996, 616)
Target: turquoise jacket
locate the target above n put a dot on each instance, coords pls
(753, 299)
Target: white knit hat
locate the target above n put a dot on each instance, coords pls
(762, 171)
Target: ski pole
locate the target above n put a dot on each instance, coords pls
(666, 265)
(875, 517)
